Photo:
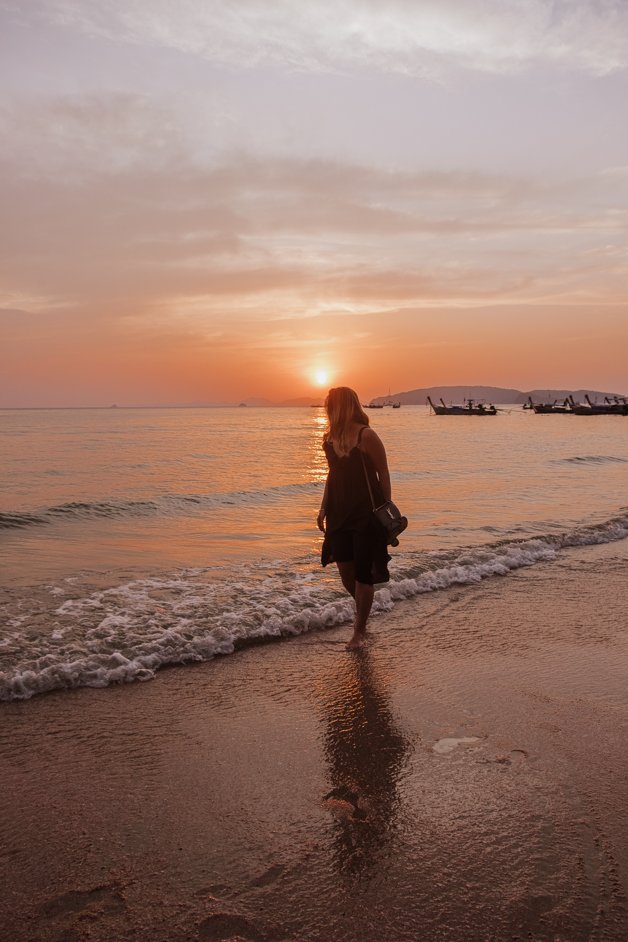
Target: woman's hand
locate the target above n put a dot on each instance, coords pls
(320, 520)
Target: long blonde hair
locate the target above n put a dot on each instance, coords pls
(343, 410)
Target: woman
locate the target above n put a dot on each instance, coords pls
(354, 540)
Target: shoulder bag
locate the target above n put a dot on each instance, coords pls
(387, 514)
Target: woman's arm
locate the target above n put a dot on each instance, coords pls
(374, 448)
(320, 520)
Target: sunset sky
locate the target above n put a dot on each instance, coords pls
(208, 201)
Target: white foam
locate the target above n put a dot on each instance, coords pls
(445, 747)
(129, 631)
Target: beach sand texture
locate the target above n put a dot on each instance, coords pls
(463, 778)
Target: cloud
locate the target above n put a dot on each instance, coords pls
(283, 233)
(72, 135)
(107, 206)
(400, 36)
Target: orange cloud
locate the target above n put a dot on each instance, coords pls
(132, 272)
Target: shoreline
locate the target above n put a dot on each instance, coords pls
(231, 617)
(464, 777)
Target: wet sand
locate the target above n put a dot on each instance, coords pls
(463, 778)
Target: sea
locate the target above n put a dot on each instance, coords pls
(133, 539)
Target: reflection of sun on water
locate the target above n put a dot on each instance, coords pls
(317, 470)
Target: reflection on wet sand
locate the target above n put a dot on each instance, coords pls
(365, 752)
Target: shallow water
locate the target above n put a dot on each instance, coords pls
(130, 539)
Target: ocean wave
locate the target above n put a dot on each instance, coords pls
(17, 521)
(591, 459)
(128, 632)
(166, 504)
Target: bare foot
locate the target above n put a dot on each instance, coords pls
(358, 640)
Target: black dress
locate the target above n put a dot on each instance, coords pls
(352, 534)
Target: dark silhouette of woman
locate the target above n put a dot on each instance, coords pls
(354, 540)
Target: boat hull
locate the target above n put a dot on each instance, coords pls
(468, 409)
(460, 410)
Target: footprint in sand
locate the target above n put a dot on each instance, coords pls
(104, 899)
(269, 876)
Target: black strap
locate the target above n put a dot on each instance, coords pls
(366, 474)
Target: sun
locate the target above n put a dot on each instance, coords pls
(321, 377)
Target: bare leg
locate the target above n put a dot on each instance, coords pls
(363, 601)
(347, 574)
(363, 595)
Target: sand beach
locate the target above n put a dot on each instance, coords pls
(463, 778)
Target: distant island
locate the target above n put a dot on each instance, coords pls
(495, 394)
(418, 397)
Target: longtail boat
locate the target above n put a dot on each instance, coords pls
(596, 408)
(549, 408)
(470, 407)
(618, 404)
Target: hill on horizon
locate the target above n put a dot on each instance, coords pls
(495, 394)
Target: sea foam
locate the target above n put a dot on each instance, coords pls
(96, 637)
